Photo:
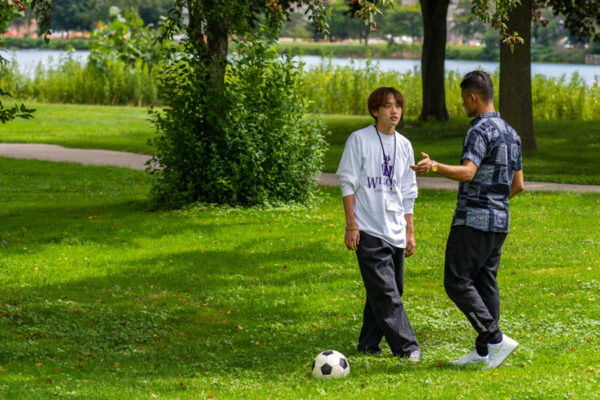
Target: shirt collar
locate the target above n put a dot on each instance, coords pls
(493, 114)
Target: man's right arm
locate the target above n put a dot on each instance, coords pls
(517, 184)
(463, 173)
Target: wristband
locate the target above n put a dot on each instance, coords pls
(351, 229)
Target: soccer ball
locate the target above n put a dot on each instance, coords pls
(330, 364)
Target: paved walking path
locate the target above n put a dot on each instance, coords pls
(52, 152)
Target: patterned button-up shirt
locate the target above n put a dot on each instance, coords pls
(495, 148)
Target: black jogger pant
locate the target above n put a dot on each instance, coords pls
(382, 269)
(472, 260)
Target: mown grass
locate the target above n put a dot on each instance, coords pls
(103, 299)
(119, 128)
(567, 149)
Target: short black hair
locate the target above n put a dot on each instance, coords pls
(479, 82)
(379, 97)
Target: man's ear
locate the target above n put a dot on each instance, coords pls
(375, 113)
(474, 96)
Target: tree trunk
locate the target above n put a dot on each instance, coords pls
(432, 59)
(208, 36)
(515, 78)
(217, 42)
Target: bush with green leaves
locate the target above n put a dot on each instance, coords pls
(126, 39)
(264, 150)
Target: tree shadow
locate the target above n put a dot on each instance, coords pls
(200, 315)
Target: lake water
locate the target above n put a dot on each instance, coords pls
(29, 59)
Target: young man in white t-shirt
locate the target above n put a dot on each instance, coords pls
(379, 190)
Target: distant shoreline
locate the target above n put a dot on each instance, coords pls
(353, 50)
(413, 52)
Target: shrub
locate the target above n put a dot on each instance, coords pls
(264, 151)
(126, 39)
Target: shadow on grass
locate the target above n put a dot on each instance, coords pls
(191, 319)
(98, 223)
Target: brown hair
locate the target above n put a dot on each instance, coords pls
(379, 97)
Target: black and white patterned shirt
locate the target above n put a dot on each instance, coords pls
(495, 148)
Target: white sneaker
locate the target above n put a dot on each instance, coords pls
(415, 356)
(500, 351)
(472, 358)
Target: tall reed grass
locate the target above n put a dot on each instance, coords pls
(344, 90)
(76, 82)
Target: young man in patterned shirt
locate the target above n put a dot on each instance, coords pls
(490, 174)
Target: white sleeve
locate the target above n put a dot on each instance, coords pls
(408, 183)
(348, 172)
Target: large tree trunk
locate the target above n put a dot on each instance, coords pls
(207, 32)
(217, 41)
(432, 59)
(208, 35)
(515, 78)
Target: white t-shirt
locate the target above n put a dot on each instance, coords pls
(380, 202)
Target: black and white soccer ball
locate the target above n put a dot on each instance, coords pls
(330, 364)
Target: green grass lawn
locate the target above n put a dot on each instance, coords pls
(118, 128)
(103, 299)
(568, 150)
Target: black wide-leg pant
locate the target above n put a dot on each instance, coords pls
(472, 261)
(382, 269)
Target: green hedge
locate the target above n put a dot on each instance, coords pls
(39, 43)
(377, 50)
(413, 51)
